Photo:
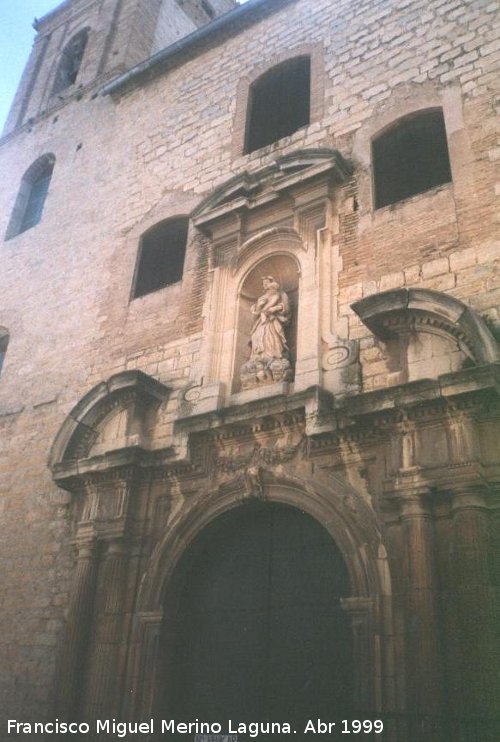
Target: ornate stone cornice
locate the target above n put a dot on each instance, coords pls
(458, 401)
(255, 415)
(428, 397)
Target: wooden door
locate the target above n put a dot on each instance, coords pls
(259, 632)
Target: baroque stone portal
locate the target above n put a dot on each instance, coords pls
(269, 354)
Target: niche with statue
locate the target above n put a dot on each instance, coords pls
(267, 324)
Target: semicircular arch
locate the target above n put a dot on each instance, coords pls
(337, 507)
(276, 240)
(330, 500)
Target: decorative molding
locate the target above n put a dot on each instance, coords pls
(259, 455)
(340, 354)
(247, 191)
(320, 422)
(278, 237)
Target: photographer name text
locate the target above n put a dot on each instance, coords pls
(122, 729)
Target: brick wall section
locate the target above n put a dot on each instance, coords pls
(126, 162)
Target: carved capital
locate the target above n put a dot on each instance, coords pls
(86, 550)
(150, 619)
(106, 498)
(469, 497)
(414, 504)
(115, 547)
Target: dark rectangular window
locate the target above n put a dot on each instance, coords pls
(279, 103)
(70, 62)
(31, 196)
(161, 259)
(410, 158)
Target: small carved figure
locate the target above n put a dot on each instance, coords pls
(253, 481)
(269, 355)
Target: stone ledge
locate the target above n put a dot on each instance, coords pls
(455, 384)
(68, 474)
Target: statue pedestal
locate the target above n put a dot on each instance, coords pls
(262, 371)
(262, 391)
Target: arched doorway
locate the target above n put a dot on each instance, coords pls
(255, 630)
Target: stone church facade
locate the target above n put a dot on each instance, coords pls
(250, 365)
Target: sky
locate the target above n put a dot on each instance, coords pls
(16, 38)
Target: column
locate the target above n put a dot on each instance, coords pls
(71, 671)
(366, 654)
(144, 681)
(474, 645)
(423, 652)
(105, 675)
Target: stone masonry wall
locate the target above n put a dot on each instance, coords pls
(124, 163)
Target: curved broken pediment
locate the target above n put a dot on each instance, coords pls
(250, 190)
(110, 416)
(427, 333)
(391, 312)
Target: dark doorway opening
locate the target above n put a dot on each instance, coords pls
(259, 633)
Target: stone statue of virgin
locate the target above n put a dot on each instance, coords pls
(269, 354)
(272, 311)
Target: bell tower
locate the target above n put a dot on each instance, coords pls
(82, 43)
